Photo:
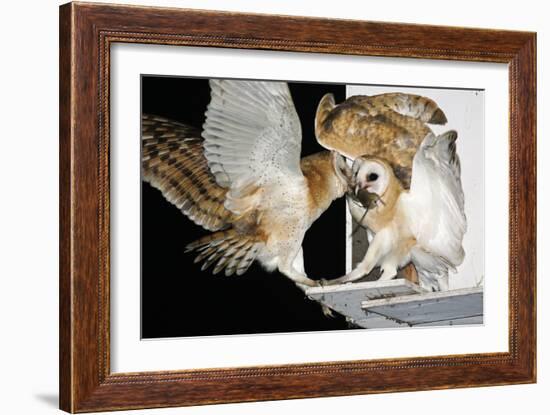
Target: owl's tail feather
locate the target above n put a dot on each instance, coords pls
(229, 250)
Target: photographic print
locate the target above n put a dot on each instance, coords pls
(270, 206)
(252, 208)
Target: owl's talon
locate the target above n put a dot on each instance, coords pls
(327, 283)
(327, 311)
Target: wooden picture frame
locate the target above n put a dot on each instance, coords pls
(86, 33)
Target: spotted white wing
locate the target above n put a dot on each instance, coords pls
(435, 203)
(252, 133)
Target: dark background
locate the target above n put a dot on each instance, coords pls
(180, 300)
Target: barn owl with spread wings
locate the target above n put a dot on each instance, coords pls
(242, 178)
(407, 187)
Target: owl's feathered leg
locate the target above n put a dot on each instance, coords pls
(389, 271)
(376, 251)
(297, 277)
(298, 264)
(292, 266)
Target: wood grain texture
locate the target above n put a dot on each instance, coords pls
(86, 33)
(65, 247)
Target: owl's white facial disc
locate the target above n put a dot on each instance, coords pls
(370, 175)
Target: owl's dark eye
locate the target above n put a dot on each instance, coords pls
(372, 177)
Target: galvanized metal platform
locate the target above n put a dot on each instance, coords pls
(400, 303)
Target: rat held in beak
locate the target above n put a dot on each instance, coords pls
(367, 199)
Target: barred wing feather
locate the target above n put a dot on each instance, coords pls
(173, 162)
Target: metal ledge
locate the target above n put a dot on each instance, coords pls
(400, 303)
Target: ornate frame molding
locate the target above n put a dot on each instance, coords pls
(86, 33)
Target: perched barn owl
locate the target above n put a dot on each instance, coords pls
(243, 178)
(424, 225)
(390, 126)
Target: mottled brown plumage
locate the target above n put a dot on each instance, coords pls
(390, 126)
